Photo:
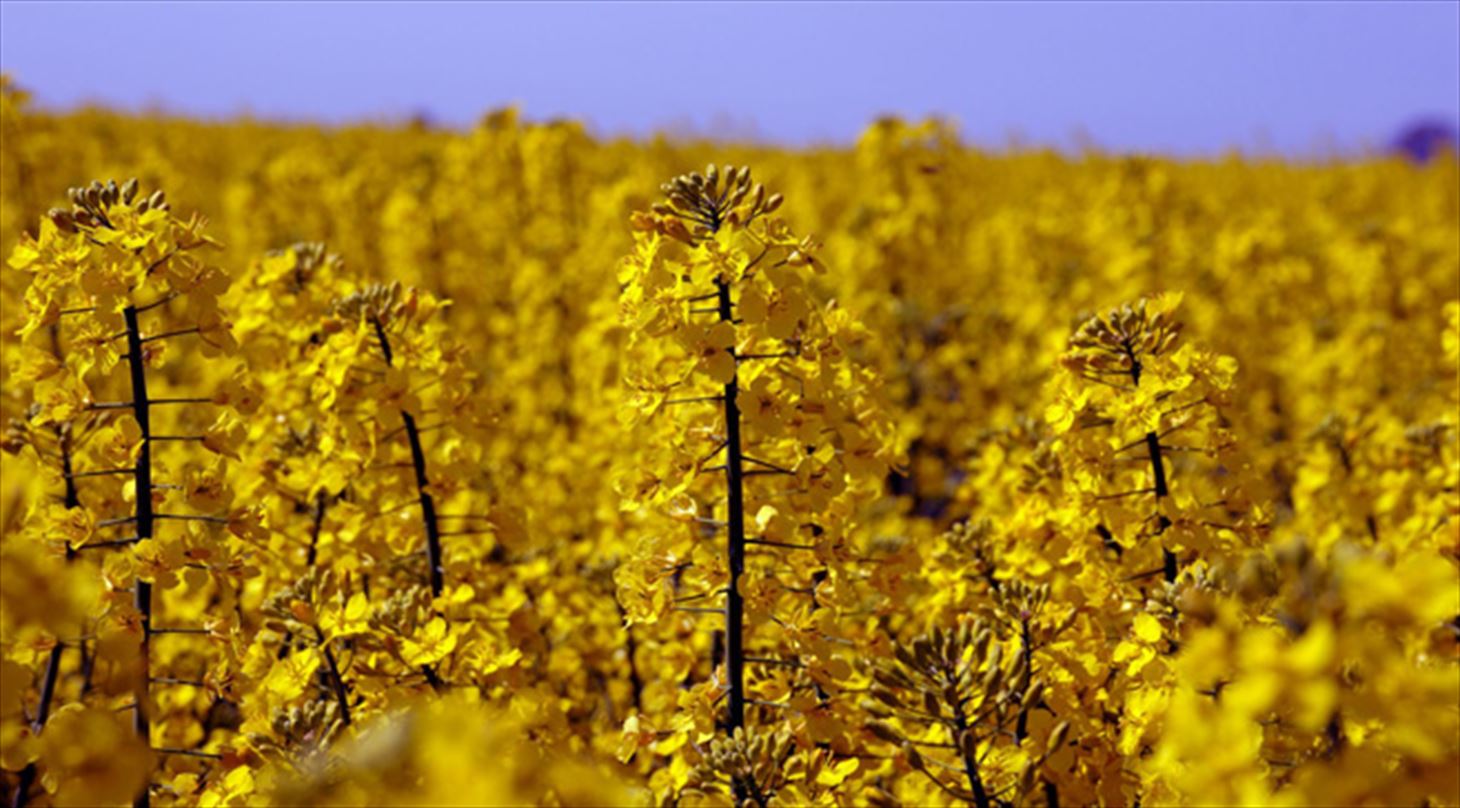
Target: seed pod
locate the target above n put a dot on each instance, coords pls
(914, 759)
(1032, 694)
(1167, 340)
(952, 651)
(931, 705)
(874, 709)
(62, 220)
(936, 643)
(922, 652)
(783, 746)
(1057, 738)
(981, 644)
(885, 696)
(968, 744)
(887, 679)
(992, 679)
(950, 693)
(1026, 778)
(965, 679)
(884, 732)
(905, 657)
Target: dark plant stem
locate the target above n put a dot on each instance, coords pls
(53, 665)
(88, 665)
(735, 548)
(318, 520)
(1334, 736)
(1169, 567)
(1026, 650)
(337, 682)
(418, 461)
(142, 476)
(970, 766)
(751, 788)
(428, 505)
(72, 498)
(43, 711)
(1158, 469)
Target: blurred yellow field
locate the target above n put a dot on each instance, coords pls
(381, 465)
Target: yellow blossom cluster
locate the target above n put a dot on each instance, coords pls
(516, 466)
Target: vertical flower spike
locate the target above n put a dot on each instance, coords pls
(117, 278)
(953, 693)
(392, 405)
(1132, 391)
(49, 446)
(374, 313)
(760, 438)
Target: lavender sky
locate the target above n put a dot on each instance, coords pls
(1305, 78)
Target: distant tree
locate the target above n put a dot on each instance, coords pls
(1426, 138)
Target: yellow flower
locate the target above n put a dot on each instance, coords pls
(240, 393)
(206, 490)
(288, 677)
(780, 312)
(434, 642)
(92, 758)
(225, 435)
(711, 348)
(62, 398)
(236, 788)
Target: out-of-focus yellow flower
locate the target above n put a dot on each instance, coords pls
(92, 758)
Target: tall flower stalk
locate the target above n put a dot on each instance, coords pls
(1134, 394)
(718, 292)
(113, 260)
